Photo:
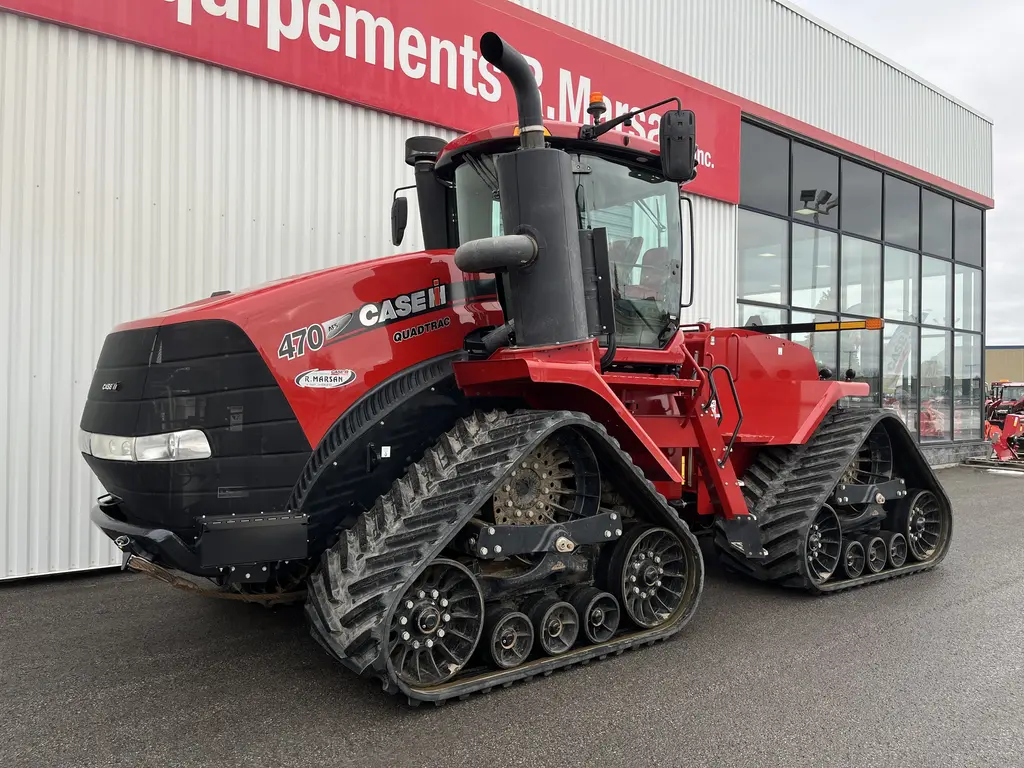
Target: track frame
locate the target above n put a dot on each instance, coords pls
(354, 591)
(786, 487)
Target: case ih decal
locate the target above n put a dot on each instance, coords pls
(295, 343)
(404, 305)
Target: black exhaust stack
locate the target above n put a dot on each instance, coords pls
(541, 255)
(515, 67)
(435, 200)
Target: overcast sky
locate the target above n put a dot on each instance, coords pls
(972, 50)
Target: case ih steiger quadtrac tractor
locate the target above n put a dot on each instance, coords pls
(487, 460)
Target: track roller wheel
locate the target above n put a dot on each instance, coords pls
(919, 516)
(437, 624)
(509, 637)
(649, 571)
(896, 547)
(876, 553)
(598, 612)
(853, 559)
(557, 625)
(823, 545)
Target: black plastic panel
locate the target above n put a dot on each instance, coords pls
(233, 540)
(201, 375)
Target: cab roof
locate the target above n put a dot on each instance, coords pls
(505, 136)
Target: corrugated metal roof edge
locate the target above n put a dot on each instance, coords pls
(788, 4)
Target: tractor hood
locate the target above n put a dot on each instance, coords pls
(330, 335)
(236, 305)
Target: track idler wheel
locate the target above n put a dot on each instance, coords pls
(557, 625)
(876, 552)
(437, 624)
(509, 636)
(823, 545)
(598, 612)
(919, 516)
(649, 572)
(853, 559)
(896, 547)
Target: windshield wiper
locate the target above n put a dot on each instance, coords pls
(651, 215)
(488, 178)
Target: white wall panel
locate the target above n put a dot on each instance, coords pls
(132, 181)
(714, 295)
(769, 53)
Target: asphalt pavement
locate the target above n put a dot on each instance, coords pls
(119, 670)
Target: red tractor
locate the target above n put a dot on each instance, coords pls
(487, 460)
(1008, 441)
(1007, 398)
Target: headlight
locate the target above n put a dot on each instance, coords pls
(111, 447)
(183, 445)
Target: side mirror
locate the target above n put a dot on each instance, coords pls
(678, 145)
(399, 218)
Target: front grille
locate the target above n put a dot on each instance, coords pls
(199, 375)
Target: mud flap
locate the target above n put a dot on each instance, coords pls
(744, 536)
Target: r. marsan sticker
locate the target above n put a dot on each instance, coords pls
(317, 379)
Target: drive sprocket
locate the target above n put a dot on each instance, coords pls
(557, 483)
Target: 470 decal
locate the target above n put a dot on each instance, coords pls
(295, 343)
(372, 315)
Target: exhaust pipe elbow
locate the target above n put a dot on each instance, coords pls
(513, 64)
(496, 254)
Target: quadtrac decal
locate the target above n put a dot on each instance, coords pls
(418, 330)
(317, 379)
(295, 344)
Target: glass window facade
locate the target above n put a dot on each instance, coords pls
(814, 263)
(815, 195)
(763, 258)
(862, 277)
(936, 224)
(967, 234)
(902, 215)
(862, 200)
(823, 237)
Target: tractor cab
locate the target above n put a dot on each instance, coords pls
(582, 224)
(617, 186)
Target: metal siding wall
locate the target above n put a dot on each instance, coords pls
(1004, 364)
(714, 295)
(132, 181)
(767, 52)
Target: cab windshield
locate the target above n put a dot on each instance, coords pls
(1013, 393)
(639, 210)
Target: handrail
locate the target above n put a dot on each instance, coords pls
(714, 394)
(739, 410)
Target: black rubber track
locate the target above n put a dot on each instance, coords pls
(354, 589)
(786, 486)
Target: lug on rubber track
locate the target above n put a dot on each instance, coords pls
(362, 583)
(787, 487)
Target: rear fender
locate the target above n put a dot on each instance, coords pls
(778, 384)
(910, 463)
